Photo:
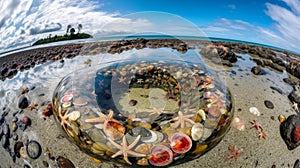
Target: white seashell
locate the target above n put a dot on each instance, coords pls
(210, 86)
(202, 114)
(74, 115)
(153, 137)
(254, 111)
(197, 131)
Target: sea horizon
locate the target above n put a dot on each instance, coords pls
(130, 37)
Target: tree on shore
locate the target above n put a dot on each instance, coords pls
(79, 28)
(68, 28)
(72, 31)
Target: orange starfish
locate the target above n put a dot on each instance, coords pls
(32, 106)
(24, 90)
(124, 149)
(262, 134)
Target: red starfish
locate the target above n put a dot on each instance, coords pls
(255, 125)
(234, 152)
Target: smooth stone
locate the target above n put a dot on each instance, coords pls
(63, 162)
(294, 96)
(269, 104)
(23, 102)
(287, 129)
(257, 70)
(289, 81)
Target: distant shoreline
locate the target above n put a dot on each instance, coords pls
(62, 38)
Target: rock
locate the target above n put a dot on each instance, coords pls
(294, 96)
(258, 61)
(63, 162)
(223, 54)
(289, 81)
(297, 164)
(269, 104)
(287, 131)
(257, 70)
(23, 102)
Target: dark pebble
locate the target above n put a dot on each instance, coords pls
(289, 81)
(15, 137)
(297, 164)
(269, 104)
(257, 70)
(63, 162)
(45, 163)
(33, 149)
(4, 141)
(23, 102)
(132, 102)
(42, 94)
(276, 89)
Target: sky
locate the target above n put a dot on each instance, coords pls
(270, 22)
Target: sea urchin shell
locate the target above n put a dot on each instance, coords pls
(161, 155)
(181, 143)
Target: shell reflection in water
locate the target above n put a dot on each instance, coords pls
(143, 112)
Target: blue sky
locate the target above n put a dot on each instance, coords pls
(271, 22)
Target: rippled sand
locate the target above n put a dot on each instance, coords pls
(247, 89)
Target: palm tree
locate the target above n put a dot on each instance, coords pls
(72, 31)
(68, 28)
(79, 28)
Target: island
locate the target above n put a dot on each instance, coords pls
(71, 36)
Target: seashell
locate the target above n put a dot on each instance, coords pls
(66, 98)
(66, 104)
(80, 102)
(14, 127)
(98, 148)
(144, 148)
(5, 129)
(197, 131)
(26, 121)
(238, 124)
(214, 111)
(201, 112)
(181, 143)
(254, 111)
(74, 115)
(33, 149)
(18, 145)
(23, 152)
(210, 86)
(114, 130)
(132, 102)
(161, 155)
(142, 162)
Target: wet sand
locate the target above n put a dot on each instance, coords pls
(248, 90)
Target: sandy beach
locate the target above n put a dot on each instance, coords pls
(41, 70)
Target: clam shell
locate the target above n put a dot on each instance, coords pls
(66, 98)
(114, 130)
(197, 131)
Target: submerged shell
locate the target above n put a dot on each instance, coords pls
(161, 155)
(114, 130)
(197, 131)
(74, 115)
(181, 143)
(238, 124)
(66, 98)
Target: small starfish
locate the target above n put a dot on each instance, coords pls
(181, 120)
(32, 106)
(124, 149)
(101, 119)
(234, 152)
(295, 107)
(24, 90)
(156, 111)
(255, 125)
(122, 80)
(262, 134)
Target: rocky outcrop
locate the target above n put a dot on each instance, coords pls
(219, 54)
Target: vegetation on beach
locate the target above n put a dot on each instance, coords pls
(70, 35)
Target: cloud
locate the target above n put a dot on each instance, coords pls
(44, 28)
(231, 6)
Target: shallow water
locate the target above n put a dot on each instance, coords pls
(247, 89)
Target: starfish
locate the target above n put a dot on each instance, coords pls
(101, 119)
(295, 107)
(24, 90)
(124, 149)
(156, 111)
(234, 152)
(32, 106)
(122, 80)
(255, 125)
(181, 120)
(262, 134)
(65, 120)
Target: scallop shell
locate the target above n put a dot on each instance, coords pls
(114, 129)
(197, 131)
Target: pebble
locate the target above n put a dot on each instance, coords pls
(297, 164)
(257, 70)
(23, 102)
(289, 81)
(287, 131)
(269, 104)
(63, 162)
